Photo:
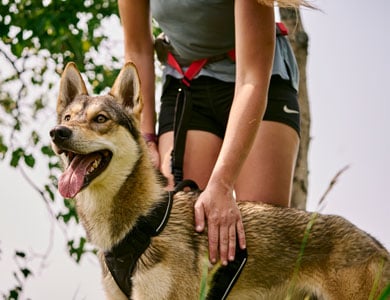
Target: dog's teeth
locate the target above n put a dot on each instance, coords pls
(94, 165)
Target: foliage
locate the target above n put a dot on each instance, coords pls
(38, 38)
(21, 275)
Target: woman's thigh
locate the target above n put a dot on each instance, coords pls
(267, 173)
(201, 152)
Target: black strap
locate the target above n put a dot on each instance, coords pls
(226, 276)
(122, 258)
(181, 120)
(188, 183)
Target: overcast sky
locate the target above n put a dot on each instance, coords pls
(348, 82)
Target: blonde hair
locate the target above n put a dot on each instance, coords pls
(286, 3)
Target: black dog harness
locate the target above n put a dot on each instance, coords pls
(122, 258)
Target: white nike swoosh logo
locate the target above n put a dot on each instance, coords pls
(289, 111)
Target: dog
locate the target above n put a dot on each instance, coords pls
(107, 169)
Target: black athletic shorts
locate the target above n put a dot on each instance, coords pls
(212, 99)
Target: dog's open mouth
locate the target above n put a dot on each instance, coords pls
(81, 170)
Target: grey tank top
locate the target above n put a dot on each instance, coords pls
(204, 28)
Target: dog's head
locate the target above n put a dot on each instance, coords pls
(96, 136)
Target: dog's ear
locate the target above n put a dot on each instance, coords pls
(127, 89)
(72, 85)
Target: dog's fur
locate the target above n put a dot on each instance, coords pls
(339, 261)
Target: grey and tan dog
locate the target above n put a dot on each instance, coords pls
(291, 253)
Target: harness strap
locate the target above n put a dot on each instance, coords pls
(188, 183)
(192, 70)
(181, 120)
(183, 109)
(226, 276)
(122, 258)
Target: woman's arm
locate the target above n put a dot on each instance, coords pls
(138, 42)
(255, 42)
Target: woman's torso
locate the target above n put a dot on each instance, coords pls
(205, 28)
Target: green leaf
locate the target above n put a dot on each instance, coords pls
(17, 49)
(14, 294)
(35, 137)
(47, 150)
(16, 155)
(71, 213)
(3, 148)
(20, 254)
(385, 295)
(29, 160)
(50, 192)
(26, 272)
(54, 165)
(78, 250)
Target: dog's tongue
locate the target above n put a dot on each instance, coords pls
(72, 180)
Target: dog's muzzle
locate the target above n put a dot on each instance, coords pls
(59, 134)
(80, 167)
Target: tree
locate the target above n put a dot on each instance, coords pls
(299, 41)
(37, 39)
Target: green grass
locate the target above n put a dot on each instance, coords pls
(385, 295)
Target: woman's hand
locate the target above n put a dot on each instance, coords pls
(217, 206)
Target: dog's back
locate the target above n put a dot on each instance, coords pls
(291, 254)
(303, 253)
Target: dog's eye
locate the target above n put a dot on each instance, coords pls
(67, 118)
(101, 118)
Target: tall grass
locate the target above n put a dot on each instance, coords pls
(300, 255)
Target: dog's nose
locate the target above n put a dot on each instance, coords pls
(60, 133)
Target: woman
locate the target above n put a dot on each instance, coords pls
(236, 139)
